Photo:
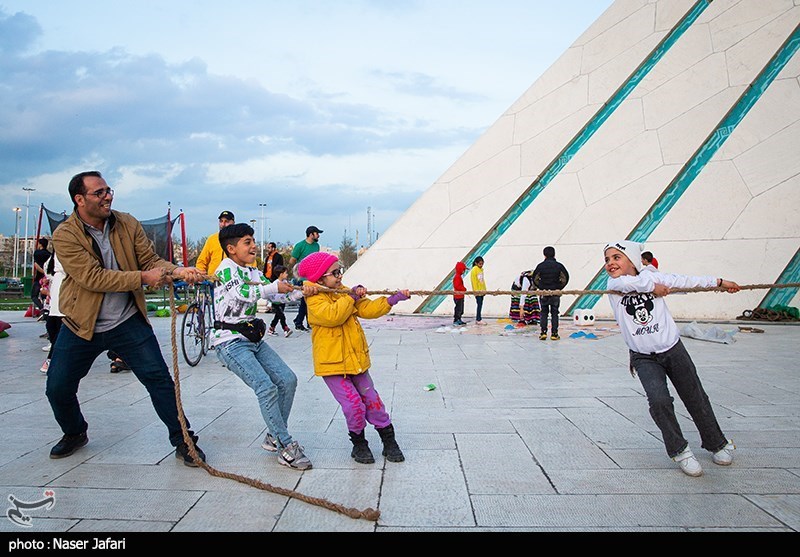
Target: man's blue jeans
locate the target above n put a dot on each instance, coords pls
(273, 382)
(135, 343)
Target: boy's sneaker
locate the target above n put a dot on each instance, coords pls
(555, 336)
(45, 366)
(272, 332)
(182, 452)
(293, 457)
(724, 456)
(270, 443)
(688, 463)
(287, 332)
(68, 445)
(46, 347)
(543, 336)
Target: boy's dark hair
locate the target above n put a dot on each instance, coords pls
(647, 256)
(44, 242)
(277, 270)
(76, 186)
(477, 260)
(549, 251)
(230, 235)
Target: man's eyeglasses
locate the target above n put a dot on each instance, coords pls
(100, 194)
(336, 273)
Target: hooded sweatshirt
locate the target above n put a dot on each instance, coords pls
(458, 280)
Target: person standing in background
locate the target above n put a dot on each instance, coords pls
(301, 250)
(211, 255)
(550, 275)
(478, 283)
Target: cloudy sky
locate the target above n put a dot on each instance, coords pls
(317, 109)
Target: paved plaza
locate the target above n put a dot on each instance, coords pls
(517, 435)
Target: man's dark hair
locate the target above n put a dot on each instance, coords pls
(549, 251)
(43, 242)
(647, 256)
(273, 244)
(230, 235)
(76, 186)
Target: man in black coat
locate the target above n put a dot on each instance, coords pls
(550, 275)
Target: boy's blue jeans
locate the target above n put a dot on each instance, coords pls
(273, 382)
(675, 363)
(136, 343)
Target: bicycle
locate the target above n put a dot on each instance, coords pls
(198, 320)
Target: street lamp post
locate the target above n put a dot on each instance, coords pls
(262, 205)
(27, 208)
(16, 240)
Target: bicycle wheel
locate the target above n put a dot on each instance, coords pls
(193, 335)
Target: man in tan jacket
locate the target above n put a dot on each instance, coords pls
(107, 259)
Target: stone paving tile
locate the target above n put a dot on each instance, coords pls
(114, 526)
(500, 464)
(785, 508)
(428, 489)
(335, 488)
(621, 511)
(119, 504)
(219, 511)
(715, 479)
(546, 439)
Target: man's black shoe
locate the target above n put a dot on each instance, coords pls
(68, 445)
(300, 328)
(182, 452)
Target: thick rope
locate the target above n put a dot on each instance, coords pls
(541, 292)
(367, 514)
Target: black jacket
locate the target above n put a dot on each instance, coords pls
(550, 275)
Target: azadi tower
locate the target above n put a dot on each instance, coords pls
(675, 123)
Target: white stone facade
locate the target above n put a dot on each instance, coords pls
(737, 219)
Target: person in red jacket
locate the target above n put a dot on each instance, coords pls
(458, 285)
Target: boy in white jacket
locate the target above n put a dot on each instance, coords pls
(656, 351)
(237, 339)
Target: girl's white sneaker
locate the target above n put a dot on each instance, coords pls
(688, 463)
(724, 456)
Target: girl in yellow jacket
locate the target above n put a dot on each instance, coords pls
(341, 353)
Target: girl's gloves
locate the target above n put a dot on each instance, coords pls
(398, 296)
(354, 293)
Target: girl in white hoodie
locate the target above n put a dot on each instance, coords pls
(656, 351)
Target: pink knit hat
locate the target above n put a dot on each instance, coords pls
(313, 266)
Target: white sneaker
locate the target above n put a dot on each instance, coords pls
(270, 443)
(688, 463)
(724, 456)
(287, 333)
(46, 348)
(46, 366)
